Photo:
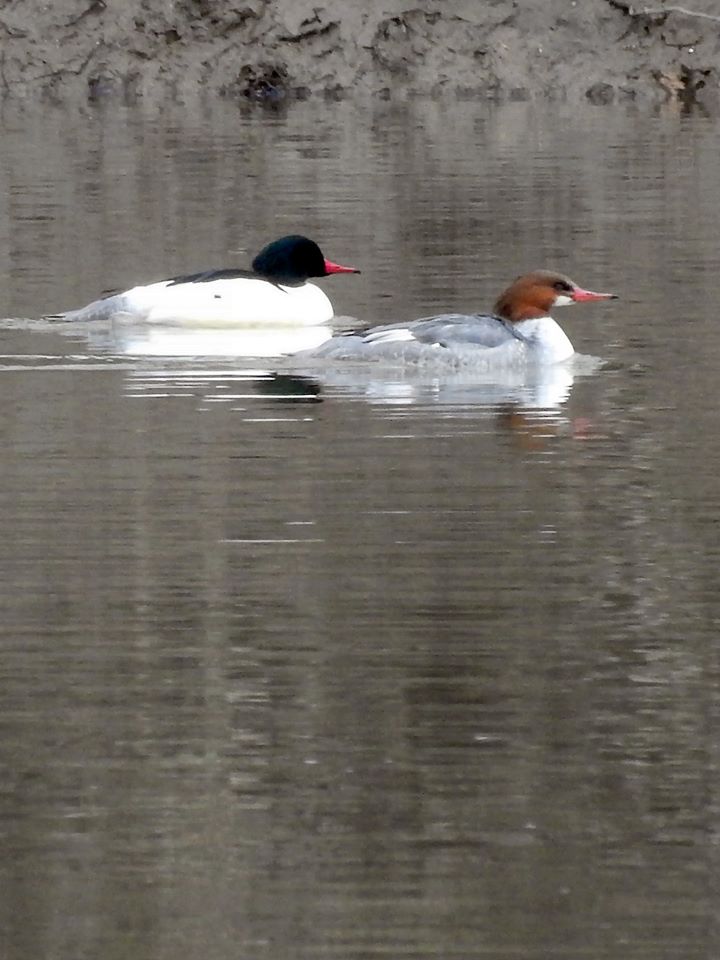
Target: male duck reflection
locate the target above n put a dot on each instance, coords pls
(520, 329)
(275, 292)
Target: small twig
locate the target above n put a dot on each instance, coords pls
(12, 31)
(96, 6)
(684, 11)
(658, 11)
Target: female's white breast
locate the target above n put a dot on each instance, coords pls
(546, 340)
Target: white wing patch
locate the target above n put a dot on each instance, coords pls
(389, 336)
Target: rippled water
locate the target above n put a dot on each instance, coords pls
(351, 664)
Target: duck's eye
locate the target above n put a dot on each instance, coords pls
(562, 286)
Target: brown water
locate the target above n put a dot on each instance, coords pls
(361, 665)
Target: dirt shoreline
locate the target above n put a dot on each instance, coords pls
(597, 50)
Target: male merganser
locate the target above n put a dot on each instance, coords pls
(275, 292)
(519, 329)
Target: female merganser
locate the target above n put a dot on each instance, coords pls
(275, 292)
(519, 329)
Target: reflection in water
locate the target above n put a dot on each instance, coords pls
(223, 386)
(156, 341)
(544, 387)
(528, 386)
(527, 402)
(528, 407)
(289, 388)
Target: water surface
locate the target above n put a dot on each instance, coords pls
(348, 663)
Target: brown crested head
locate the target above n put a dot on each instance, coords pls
(534, 295)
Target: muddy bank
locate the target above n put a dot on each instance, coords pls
(602, 50)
